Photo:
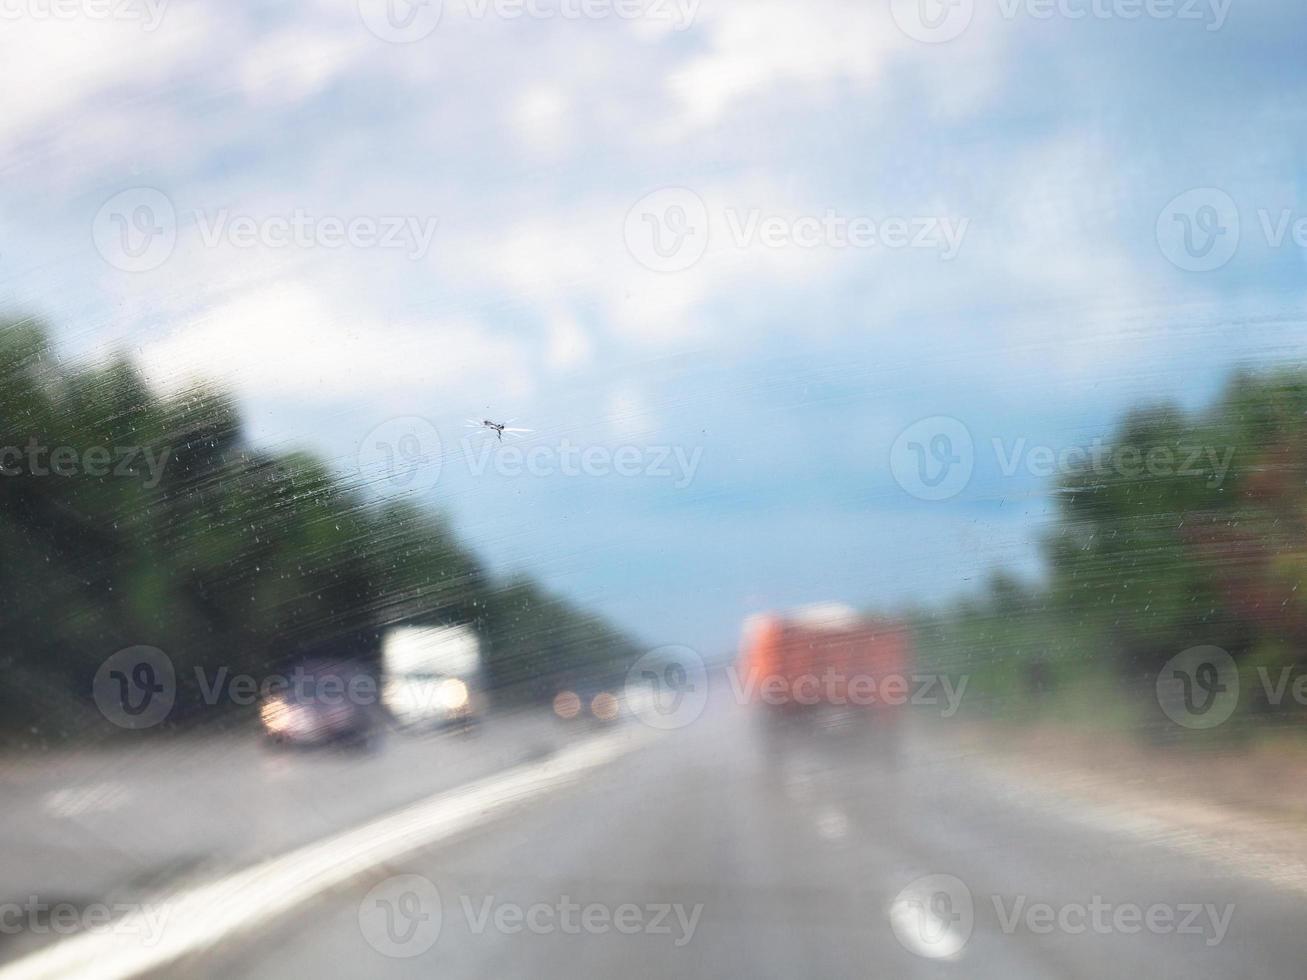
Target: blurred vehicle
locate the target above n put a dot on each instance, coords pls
(323, 703)
(591, 701)
(826, 674)
(431, 676)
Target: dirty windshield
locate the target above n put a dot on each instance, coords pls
(653, 488)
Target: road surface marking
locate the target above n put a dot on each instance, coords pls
(96, 798)
(196, 919)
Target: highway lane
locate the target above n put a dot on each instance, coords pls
(134, 819)
(701, 855)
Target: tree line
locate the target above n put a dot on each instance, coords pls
(1188, 529)
(129, 517)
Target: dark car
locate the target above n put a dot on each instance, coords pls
(322, 703)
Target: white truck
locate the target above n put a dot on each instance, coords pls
(431, 675)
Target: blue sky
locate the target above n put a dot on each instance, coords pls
(549, 150)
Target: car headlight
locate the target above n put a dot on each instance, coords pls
(275, 714)
(453, 694)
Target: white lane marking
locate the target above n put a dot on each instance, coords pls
(94, 798)
(196, 919)
(933, 916)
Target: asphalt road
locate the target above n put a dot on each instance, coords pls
(129, 821)
(702, 855)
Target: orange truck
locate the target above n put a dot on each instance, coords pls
(826, 671)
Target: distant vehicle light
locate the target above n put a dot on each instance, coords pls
(567, 705)
(453, 694)
(604, 706)
(275, 714)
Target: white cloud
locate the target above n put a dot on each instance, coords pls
(293, 64)
(289, 342)
(62, 66)
(542, 120)
(767, 46)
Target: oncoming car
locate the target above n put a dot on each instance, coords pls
(322, 703)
